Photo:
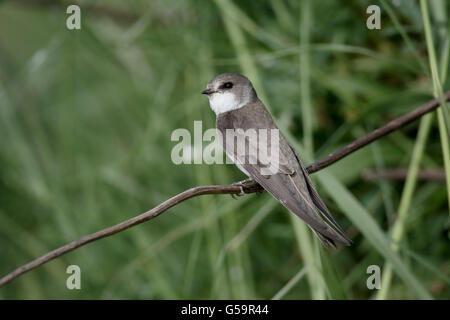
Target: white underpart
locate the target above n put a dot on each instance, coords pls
(222, 102)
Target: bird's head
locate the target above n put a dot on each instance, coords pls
(229, 91)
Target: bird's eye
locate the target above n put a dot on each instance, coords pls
(227, 85)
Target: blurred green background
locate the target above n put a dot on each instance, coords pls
(86, 118)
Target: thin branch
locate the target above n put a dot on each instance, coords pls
(228, 189)
(376, 134)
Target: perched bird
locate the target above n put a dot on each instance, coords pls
(237, 107)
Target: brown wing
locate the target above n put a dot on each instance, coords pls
(291, 185)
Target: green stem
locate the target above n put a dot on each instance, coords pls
(445, 151)
(438, 91)
(305, 86)
(405, 202)
(442, 111)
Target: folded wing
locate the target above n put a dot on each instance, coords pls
(291, 185)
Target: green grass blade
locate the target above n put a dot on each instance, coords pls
(403, 34)
(372, 232)
(438, 91)
(295, 279)
(361, 218)
(405, 202)
(305, 79)
(443, 113)
(335, 289)
(439, 11)
(445, 151)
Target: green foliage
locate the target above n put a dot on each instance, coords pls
(86, 119)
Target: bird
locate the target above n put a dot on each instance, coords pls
(239, 110)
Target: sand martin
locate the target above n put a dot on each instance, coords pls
(237, 107)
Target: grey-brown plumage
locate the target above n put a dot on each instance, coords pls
(237, 106)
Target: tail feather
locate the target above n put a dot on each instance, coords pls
(340, 235)
(326, 241)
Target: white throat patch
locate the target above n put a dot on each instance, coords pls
(224, 102)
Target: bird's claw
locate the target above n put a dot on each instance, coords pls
(241, 185)
(234, 196)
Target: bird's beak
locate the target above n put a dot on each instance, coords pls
(207, 91)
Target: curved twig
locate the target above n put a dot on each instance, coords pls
(392, 125)
(225, 189)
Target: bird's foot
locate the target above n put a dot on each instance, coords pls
(241, 185)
